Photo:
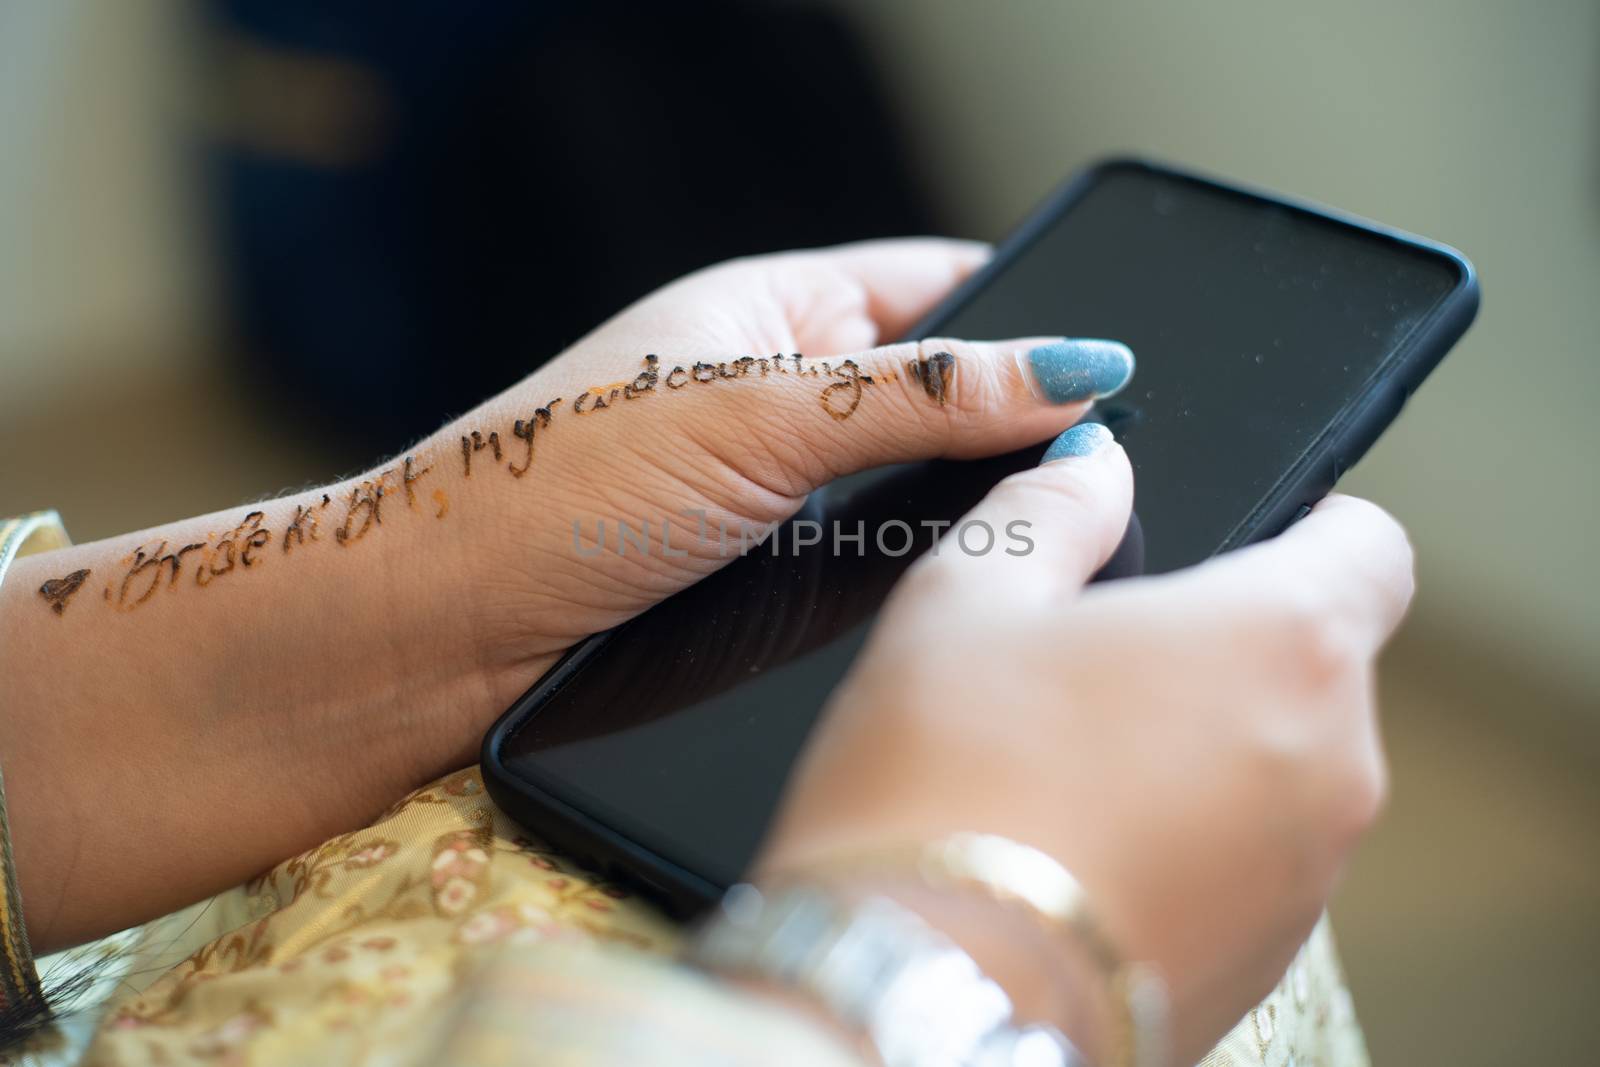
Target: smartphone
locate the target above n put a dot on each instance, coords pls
(1275, 341)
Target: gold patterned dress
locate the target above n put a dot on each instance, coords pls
(442, 935)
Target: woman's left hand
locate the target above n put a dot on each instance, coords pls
(689, 418)
(299, 664)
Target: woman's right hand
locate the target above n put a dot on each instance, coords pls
(1200, 749)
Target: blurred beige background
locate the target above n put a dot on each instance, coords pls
(1471, 922)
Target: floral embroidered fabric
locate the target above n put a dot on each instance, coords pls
(443, 934)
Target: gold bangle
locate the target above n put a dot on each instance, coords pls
(19, 979)
(1020, 876)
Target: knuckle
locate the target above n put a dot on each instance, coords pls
(1318, 642)
(1337, 785)
(1405, 567)
(927, 579)
(943, 381)
(932, 578)
(973, 387)
(1050, 488)
(1362, 794)
(1390, 566)
(1043, 495)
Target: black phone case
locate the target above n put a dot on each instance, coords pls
(683, 892)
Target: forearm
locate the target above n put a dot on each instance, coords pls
(186, 705)
(189, 704)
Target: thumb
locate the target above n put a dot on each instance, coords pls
(1046, 531)
(792, 424)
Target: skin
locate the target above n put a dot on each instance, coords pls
(269, 692)
(286, 671)
(1200, 749)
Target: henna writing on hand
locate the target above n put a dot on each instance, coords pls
(933, 372)
(526, 429)
(305, 523)
(234, 549)
(154, 560)
(363, 503)
(57, 591)
(365, 500)
(409, 476)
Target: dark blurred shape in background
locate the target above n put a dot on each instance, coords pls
(419, 203)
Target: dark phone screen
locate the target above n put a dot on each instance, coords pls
(1255, 327)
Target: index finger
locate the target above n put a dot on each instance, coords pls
(904, 277)
(1348, 556)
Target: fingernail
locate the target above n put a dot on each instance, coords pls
(1067, 371)
(1084, 439)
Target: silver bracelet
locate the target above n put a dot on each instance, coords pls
(880, 971)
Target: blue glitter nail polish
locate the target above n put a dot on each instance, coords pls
(1084, 439)
(1073, 370)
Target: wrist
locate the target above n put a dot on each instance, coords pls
(401, 677)
(884, 977)
(519, 592)
(1047, 981)
(1022, 916)
(495, 597)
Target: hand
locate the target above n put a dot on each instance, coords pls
(1200, 748)
(301, 663)
(737, 436)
